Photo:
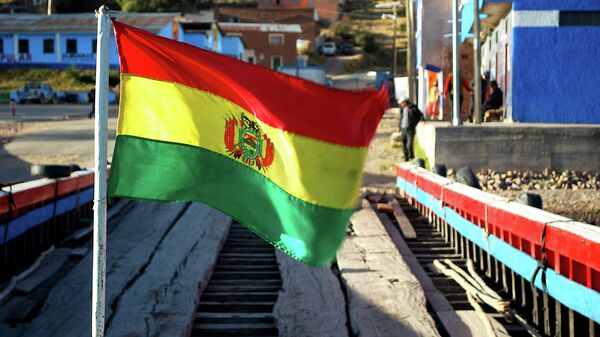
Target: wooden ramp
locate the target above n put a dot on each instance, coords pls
(157, 256)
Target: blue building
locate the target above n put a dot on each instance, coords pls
(64, 40)
(545, 56)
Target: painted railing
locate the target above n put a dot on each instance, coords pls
(37, 214)
(501, 234)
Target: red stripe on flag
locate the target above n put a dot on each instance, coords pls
(342, 117)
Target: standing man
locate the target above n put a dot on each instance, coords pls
(92, 99)
(410, 116)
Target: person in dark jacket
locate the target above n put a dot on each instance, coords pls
(496, 98)
(410, 116)
(92, 99)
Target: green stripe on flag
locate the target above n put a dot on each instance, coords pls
(154, 170)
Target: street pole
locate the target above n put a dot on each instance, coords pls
(410, 59)
(395, 58)
(476, 65)
(101, 124)
(455, 70)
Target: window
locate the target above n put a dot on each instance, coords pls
(71, 46)
(48, 46)
(23, 46)
(276, 39)
(37, 2)
(579, 18)
(94, 45)
(1, 46)
(276, 61)
(251, 60)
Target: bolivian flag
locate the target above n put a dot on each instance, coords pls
(281, 155)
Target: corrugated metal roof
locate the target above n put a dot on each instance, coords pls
(81, 22)
(262, 27)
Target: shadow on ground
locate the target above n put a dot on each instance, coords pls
(14, 169)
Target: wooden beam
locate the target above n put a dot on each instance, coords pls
(408, 232)
(311, 302)
(384, 297)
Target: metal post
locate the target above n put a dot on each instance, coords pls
(455, 70)
(101, 122)
(476, 65)
(49, 7)
(410, 57)
(395, 51)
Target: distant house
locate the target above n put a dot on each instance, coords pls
(25, 6)
(306, 17)
(327, 10)
(63, 40)
(273, 44)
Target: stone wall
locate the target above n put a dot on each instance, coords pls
(502, 146)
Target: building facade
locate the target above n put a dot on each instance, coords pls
(544, 54)
(274, 45)
(327, 10)
(65, 40)
(305, 17)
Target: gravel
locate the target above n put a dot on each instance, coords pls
(573, 194)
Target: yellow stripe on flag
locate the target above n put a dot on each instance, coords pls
(317, 172)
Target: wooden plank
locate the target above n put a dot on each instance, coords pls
(384, 297)
(403, 223)
(385, 208)
(473, 321)
(48, 266)
(131, 243)
(163, 299)
(435, 298)
(19, 309)
(79, 252)
(311, 302)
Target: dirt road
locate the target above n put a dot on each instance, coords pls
(60, 142)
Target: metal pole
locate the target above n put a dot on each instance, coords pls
(49, 7)
(455, 70)
(410, 59)
(394, 69)
(476, 65)
(101, 122)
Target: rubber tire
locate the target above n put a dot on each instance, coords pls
(75, 167)
(440, 170)
(530, 199)
(420, 162)
(51, 171)
(465, 176)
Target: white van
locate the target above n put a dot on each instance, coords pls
(329, 48)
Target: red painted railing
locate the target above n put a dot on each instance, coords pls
(572, 248)
(30, 195)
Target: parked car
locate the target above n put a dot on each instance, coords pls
(329, 48)
(347, 48)
(36, 92)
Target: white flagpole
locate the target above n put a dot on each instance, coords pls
(101, 122)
